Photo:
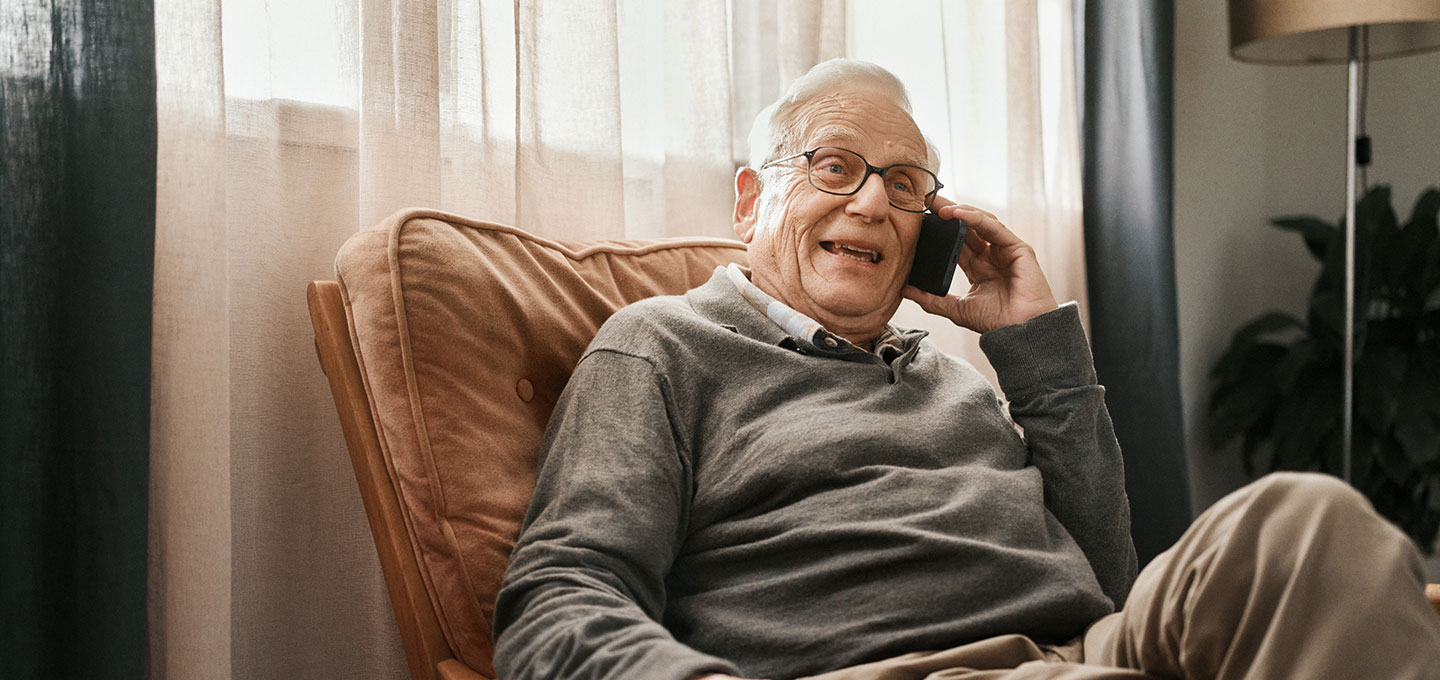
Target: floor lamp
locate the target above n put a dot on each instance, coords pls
(1335, 31)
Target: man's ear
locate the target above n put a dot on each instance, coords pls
(747, 195)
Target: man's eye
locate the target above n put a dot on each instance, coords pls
(833, 167)
(901, 186)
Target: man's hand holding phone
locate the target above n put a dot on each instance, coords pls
(1006, 283)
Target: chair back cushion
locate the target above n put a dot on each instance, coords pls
(465, 333)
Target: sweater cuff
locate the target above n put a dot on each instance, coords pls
(1045, 353)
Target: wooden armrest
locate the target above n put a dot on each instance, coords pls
(1432, 593)
(454, 669)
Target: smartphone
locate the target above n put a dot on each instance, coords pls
(936, 253)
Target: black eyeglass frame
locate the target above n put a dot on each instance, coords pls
(869, 170)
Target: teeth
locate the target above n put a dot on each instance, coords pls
(865, 255)
(853, 252)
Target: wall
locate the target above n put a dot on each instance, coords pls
(1253, 142)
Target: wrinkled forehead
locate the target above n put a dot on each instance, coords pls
(891, 150)
(868, 122)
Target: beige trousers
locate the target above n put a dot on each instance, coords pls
(1293, 576)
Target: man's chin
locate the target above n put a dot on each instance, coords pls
(857, 306)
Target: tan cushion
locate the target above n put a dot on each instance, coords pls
(465, 333)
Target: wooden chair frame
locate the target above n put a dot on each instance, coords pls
(426, 649)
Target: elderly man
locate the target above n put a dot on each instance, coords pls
(764, 477)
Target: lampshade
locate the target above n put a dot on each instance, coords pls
(1317, 31)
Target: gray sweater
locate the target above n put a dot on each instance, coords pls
(715, 495)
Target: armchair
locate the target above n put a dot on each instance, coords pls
(446, 343)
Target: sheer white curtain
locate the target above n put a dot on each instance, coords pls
(287, 126)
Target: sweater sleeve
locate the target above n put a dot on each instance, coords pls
(585, 588)
(1046, 371)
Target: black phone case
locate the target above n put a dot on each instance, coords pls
(936, 252)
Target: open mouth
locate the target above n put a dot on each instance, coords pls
(853, 252)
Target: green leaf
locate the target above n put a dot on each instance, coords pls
(1420, 440)
(1393, 461)
(1430, 278)
(1300, 356)
(1362, 459)
(1239, 403)
(1378, 376)
(1331, 457)
(1326, 314)
(1230, 366)
(1426, 216)
(1375, 221)
(1425, 534)
(1417, 418)
(1325, 317)
(1380, 249)
(1268, 323)
(1301, 422)
(1249, 334)
(1258, 432)
(1427, 207)
(1317, 234)
(1239, 411)
(1412, 249)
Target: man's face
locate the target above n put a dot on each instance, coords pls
(841, 260)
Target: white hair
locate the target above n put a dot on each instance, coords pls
(776, 130)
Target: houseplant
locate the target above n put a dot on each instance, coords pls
(1278, 385)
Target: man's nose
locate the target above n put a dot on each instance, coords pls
(871, 201)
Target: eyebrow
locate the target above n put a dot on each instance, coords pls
(839, 136)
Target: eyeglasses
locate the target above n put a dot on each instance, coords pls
(841, 172)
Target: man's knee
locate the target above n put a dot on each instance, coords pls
(1310, 489)
(1312, 502)
(1284, 502)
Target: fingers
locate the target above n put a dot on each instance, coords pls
(947, 208)
(910, 292)
(927, 301)
(957, 309)
(985, 225)
(943, 305)
(990, 243)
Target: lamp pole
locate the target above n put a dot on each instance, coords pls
(1348, 399)
(1347, 415)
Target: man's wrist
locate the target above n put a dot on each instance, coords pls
(1049, 351)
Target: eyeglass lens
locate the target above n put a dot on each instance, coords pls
(839, 171)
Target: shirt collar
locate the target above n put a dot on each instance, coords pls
(888, 345)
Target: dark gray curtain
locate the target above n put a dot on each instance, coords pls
(77, 223)
(1126, 128)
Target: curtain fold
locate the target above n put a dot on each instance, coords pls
(77, 215)
(1128, 171)
(301, 123)
(190, 519)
